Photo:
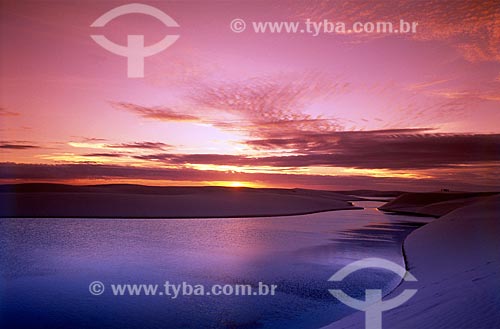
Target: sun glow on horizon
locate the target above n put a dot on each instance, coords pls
(208, 114)
(235, 184)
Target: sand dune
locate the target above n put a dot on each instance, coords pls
(134, 201)
(432, 204)
(456, 260)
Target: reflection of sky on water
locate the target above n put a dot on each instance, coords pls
(47, 264)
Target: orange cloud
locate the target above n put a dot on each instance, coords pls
(6, 113)
(156, 113)
(472, 27)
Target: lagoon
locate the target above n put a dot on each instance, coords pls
(46, 266)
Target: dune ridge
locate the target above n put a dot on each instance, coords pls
(435, 204)
(456, 260)
(136, 201)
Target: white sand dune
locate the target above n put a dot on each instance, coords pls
(135, 201)
(433, 204)
(456, 260)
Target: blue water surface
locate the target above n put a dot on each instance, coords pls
(46, 266)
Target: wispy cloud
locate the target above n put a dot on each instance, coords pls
(471, 27)
(93, 139)
(17, 145)
(427, 84)
(6, 113)
(156, 113)
(141, 145)
(392, 149)
(97, 144)
(265, 103)
(259, 107)
(128, 149)
(469, 94)
(106, 155)
(93, 172)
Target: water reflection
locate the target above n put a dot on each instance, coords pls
(47, 264)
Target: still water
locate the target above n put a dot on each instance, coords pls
(46, 266)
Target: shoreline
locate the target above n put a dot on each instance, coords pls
(136, 201)
(288, 243)
(447, 272)
(197, 217)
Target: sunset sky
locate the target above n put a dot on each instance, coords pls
(378, 111)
